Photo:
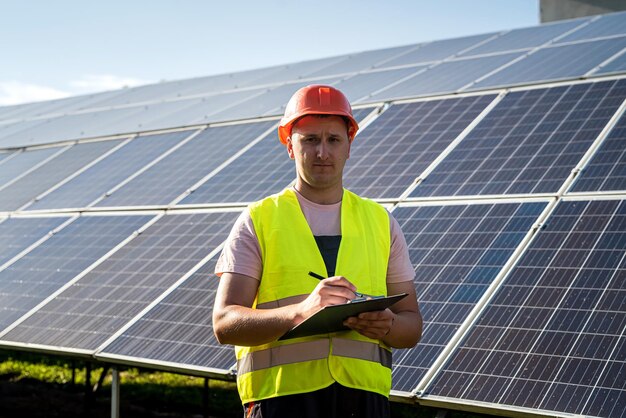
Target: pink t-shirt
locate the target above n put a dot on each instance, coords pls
(242, 253)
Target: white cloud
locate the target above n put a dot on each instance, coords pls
(101, 82)
(15, 92)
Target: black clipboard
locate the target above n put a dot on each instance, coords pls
(330, 318)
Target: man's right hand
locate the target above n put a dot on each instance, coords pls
(334, 290)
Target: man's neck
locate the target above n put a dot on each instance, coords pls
(320, 196)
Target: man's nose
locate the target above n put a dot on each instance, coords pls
(322, 150)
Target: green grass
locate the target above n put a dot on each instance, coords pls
(142, 392)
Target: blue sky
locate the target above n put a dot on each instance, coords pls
(53, 49)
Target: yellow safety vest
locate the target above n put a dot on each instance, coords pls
(289, 252)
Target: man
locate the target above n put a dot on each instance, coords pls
(265, 289)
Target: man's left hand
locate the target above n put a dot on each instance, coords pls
(375, 325)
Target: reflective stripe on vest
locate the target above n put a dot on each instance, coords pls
(289, 252)
(313, 350)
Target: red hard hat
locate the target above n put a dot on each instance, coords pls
(316, 100)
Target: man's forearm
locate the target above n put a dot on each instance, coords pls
(405, 331)
(239, 325)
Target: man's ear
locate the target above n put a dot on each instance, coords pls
(290, 147)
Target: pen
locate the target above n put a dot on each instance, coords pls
(320, 277)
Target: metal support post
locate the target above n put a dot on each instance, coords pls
(115, 393)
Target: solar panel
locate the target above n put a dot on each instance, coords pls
(170, 177)
(22, 161)
(17, 234)
(262, 170)
(359, 87)
(457, 252)
(52, 264)
(616, 65)
(101, 177)
(5, 155)
(78, 125)
(14, 134)
(55, 107)
(170, 90)
(437, 50)
(547, 63)
(188, 112)
(552, 338)
(92, 309)
(268, 102)
(526, 38)
(606, 171)
(446, 77)
(178, 330)
(362, 61)
(605, 25)
(529, 143)
(403, 141)
(64, 164)
(294, 71)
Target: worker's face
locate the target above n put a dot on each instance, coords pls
(320, 148)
